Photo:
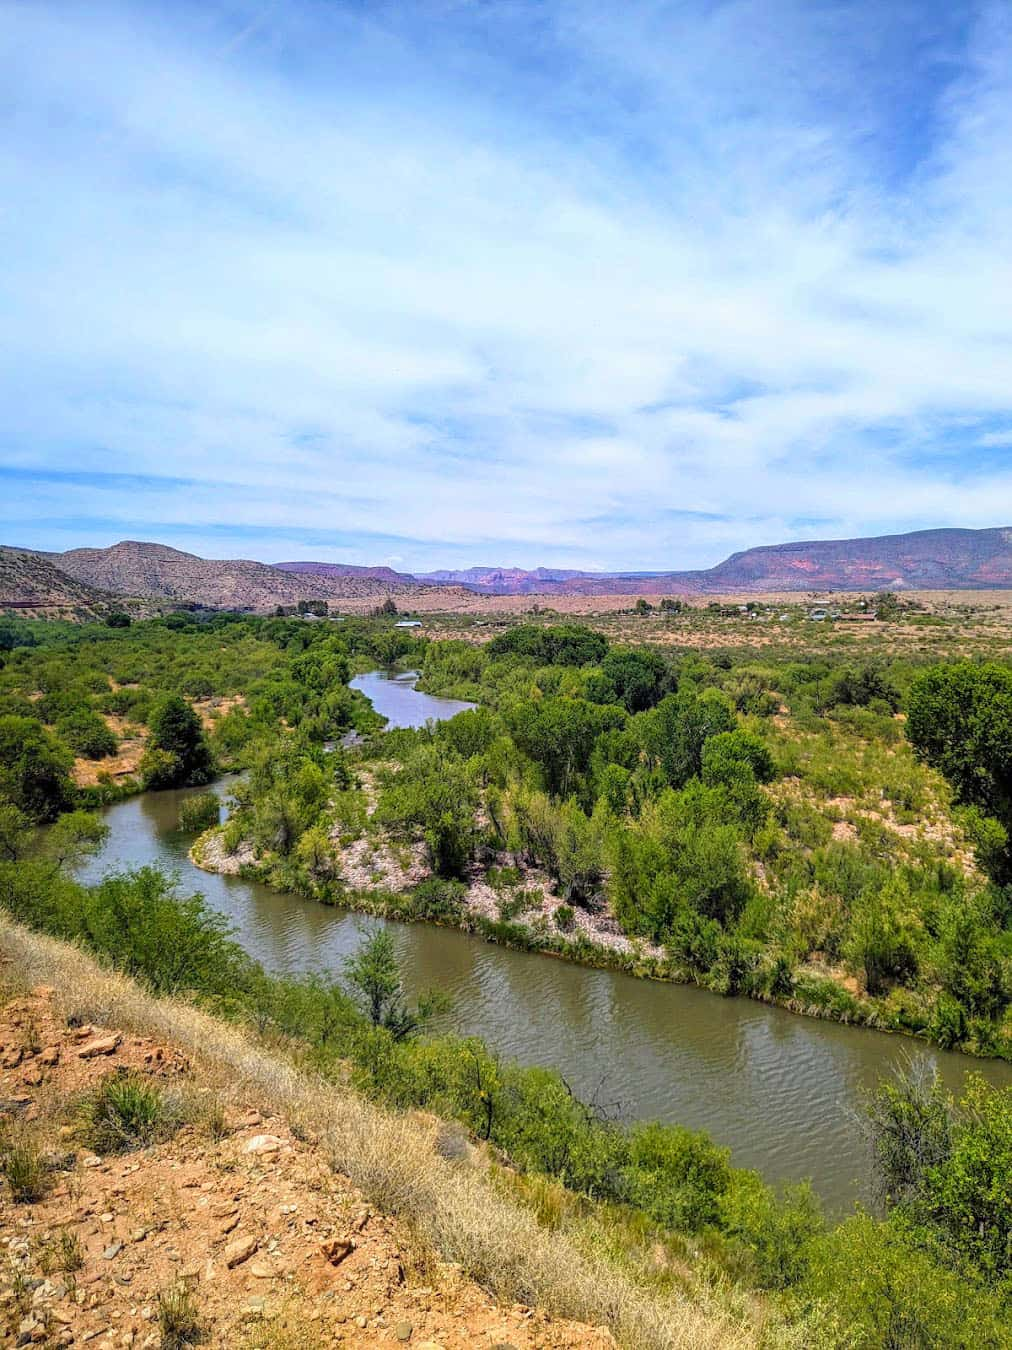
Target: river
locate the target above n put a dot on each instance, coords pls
(783, 1092)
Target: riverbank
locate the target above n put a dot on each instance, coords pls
(477, 907)
(783, 1092)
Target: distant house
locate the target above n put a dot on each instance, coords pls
(408, 623)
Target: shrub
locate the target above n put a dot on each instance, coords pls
(564, 918)
(62, 1252)
(775, 1231)
(677, 1176)
(880, 942)
(199, 813)
(169, 941)
(438, 900)
(889, 1291)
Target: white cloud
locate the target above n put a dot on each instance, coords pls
(679, 276)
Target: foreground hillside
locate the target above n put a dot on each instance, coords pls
(230, 1215)
(305, 1111)
(236, 1200)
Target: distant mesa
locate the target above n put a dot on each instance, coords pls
(945, 559)
(324, 569)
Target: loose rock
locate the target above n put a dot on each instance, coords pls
(101, 1045)
(240, 1250)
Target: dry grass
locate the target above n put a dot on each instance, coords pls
(452, 1209)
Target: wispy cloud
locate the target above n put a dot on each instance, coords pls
(536, 282)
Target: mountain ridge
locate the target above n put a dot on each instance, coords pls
(135, 567)
(939, 559)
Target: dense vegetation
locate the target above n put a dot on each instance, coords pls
(777, 831)
(935, 1271)
(97, 690)
(827, 834)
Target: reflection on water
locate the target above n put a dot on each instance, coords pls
(782, 1092)
(396, 697)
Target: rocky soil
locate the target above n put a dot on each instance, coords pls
(237, 1208)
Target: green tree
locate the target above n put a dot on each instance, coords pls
(374, 976)
(563, 644)
(74, 837)
(959, 719)
(34, 769)
(728, 748)
(558, 734)
(15, 831)
(638, 678)
(674, 733)
(968, 1195)
(434, 792)
(185, 756)
(86, 733)
(286, 791)
(945, 1168)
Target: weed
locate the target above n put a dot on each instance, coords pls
(30, 1038)
(24, 1169)
(62, 1252)
(125, 1111)
(178, 1318)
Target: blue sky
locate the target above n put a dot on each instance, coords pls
(446, 282)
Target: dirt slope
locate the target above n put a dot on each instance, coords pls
(241, 1209)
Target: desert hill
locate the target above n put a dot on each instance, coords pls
(31, 585)
(922, 560)
(146, 569)
(326, 569)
